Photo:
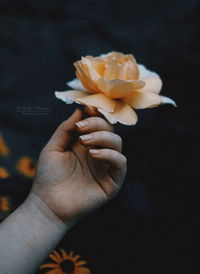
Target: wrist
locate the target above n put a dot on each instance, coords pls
(28, 235)
(39, 209)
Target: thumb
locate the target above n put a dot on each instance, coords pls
(62, 137)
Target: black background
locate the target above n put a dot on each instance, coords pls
(39, 41)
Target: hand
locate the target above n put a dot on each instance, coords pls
(76, 175)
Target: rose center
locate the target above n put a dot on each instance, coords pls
(67, 266)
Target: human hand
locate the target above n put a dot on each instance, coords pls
(76, 175)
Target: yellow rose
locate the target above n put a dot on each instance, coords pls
(116, 85)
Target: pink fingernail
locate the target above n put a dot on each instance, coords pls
(86, 137)
(82, 124)
(94, 151)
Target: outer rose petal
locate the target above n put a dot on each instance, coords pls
(144, 72)
(99, 101)
(140, 99)
(118, 88)
(167, 100)
(76, 84)
(152, 84)
(123, 113)
(70, 96)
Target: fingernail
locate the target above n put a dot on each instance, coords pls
(82, 124)
(94, 151)
(86, 137)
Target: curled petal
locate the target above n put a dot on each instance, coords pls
(123, 113)
(118, 88)
(152, 84)
(127, 65)
(111, 71)
(100, 65)
(128, 71)
(76, 84)
(167, 100)
(98, 101)
(144, 72)
(88, 64)
(70, 96)
(140, 99)
(83, 75)
(114, 55)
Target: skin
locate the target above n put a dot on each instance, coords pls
(75, 175)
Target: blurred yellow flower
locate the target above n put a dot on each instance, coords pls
(26, 166)
(116, 85)
(4, 150)
(4, 173)
(4, 203)
(66, 263)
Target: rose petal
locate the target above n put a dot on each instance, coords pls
(118, 88)
(126, 63)
(83, 75)
(100, 65)
(113, 55)
(167, 100)
(90, 68)
(98, 101)
(123, 113)
(140, 99)
(70, 96)
(111, 71)
(152, 84)
(76, 84)
(144, 72)
(128, 71)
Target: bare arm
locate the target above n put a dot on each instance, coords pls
(72, 180)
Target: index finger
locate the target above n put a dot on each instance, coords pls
(93, 124)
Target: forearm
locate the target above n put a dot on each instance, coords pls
(28, 235)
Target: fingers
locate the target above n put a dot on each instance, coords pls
(93, 124)
(117, 169)
(61, 137)
(113, 157)
(102, 138)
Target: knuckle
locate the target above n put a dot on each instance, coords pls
(62, 126)
(99, 136)
(101, 123)
(98, 122)
(93, 121)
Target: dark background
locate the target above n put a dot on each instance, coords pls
(39, 41)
